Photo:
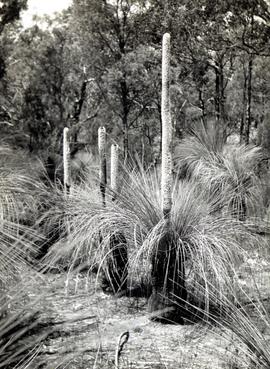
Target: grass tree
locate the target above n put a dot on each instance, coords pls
(166, 229)
(114, 169)
(115, 278)
(229, 170)
(102, 162)
(66, 161)
(118, 263)
(168, 274)
(195, 230)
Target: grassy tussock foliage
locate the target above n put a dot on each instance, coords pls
(21, 331)
(242, 324)
(18, 247)
(210, 240)
(23, 197)
(229, 170)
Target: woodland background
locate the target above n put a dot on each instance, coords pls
(98, 63)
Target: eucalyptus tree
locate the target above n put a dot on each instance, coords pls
(210, 40)
(121, 64)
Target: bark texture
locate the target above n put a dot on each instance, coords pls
(167, 302)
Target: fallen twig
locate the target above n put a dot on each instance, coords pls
(122, 340)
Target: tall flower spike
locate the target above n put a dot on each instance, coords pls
(102, 161)
(66, 161)
(114, 167)
(166, 164)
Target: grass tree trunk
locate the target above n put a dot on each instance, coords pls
(168, 275)
(102, 162)
(66, 161)
(119, 262)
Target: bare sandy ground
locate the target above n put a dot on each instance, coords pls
(87, 324)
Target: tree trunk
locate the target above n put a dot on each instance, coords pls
(244, 111)
(202, 105)
(220, 101)
(125, 103)
(249, 100)
(167, 302)
(77, 109)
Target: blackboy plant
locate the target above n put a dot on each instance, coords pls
(102, 162)
(210, 243)
(66, 161)
(168, 272)
(230, 170)
(117, 269)
(166, 231)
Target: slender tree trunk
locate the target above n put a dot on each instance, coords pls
(217, 97)
(125, 103)
(220, 102)
(202, 105)
(249, 100)
(223, 116)
(168, 274)
(244, 109)
(77, 109)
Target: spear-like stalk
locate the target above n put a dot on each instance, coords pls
(166, 163)
(167, 262)
(114, 168)
(115, 278)
(102, 162)
(118, 243)
(66, 161)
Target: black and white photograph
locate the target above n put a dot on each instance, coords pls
(134, 184)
